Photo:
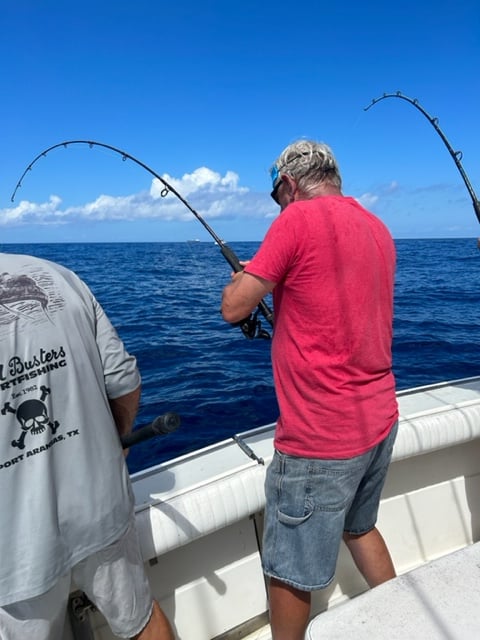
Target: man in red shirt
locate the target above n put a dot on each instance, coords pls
(329, 265)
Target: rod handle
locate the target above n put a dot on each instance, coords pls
(161, 426)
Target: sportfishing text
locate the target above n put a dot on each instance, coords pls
(16, 370)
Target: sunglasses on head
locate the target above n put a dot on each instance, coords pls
(276, 177)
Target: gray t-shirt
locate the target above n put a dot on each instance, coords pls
(64, 486)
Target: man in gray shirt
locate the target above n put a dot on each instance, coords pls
(68, 389)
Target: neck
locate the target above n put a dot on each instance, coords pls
(319, 191)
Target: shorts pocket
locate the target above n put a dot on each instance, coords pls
(292, 521)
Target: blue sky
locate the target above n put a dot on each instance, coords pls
(208, 94)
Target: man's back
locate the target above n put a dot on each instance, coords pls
(64, 485)
(334, 265)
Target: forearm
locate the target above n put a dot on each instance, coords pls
(124, 410)
(242, 295)
(235, 306)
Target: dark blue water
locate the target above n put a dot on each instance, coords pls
(164, 300)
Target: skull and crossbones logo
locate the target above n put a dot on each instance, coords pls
(32, 416)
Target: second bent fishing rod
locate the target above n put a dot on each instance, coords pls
(456, 155)
(251, 326)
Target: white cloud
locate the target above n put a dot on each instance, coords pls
(393, 187)
(209, 193)
(212, 196)
(202, 179)
(367, 200)
(30, 212)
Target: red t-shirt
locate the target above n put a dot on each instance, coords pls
(334, 265)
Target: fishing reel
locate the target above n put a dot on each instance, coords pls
(252, 327)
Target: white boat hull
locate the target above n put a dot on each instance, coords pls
(200, 516)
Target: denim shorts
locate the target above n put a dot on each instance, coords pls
(310, 503)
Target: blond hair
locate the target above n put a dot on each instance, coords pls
(309, 163)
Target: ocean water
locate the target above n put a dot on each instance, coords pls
(164, 299)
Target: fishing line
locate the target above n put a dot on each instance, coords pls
(456, 155)
(251, 327)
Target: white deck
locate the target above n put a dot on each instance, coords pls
(438, 601)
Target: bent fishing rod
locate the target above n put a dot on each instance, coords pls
(251, 326)
(456, 155)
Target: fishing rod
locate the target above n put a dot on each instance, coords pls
(161, 426)
(251, 326)
(456, 155)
